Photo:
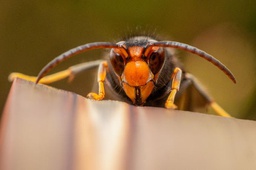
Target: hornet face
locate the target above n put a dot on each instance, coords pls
(137, 67)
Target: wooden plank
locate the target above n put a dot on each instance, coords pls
(46, 128)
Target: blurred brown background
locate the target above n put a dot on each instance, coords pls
(34, 32)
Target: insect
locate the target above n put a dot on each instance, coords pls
(141, 71)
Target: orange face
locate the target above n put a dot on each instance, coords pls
(137, 68)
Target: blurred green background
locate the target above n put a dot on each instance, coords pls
(34, 32)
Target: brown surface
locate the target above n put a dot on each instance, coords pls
(44, 128)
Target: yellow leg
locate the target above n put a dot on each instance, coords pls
(219, 110)
(176, 79)
(101, 78)
(46, 80)
(70, 72)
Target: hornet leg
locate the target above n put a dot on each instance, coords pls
(176, 79)
(101, 79)
(70, 72)
(208, 99)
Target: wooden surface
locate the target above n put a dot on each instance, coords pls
(49, 129)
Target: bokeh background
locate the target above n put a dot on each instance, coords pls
(34, 32)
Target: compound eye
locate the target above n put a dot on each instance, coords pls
(117, 62)
(156, 60)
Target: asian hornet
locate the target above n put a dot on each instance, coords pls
(141, 71)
